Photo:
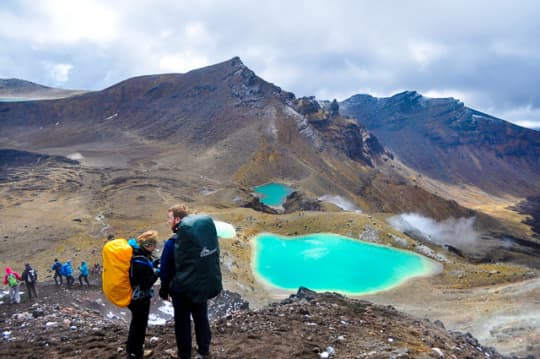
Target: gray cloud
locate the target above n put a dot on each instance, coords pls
(485, 53)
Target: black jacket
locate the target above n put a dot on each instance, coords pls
(26, 275)
(142, 275)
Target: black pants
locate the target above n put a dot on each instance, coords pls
(183, 309)
(70, 280)
(85, 277)
(58, 275)
(140, 309)
(31, 289)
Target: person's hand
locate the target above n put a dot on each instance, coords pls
(164, 293)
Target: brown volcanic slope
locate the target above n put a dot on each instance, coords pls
(221, 122)
(447, 141)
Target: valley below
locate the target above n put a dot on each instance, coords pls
(66, 211)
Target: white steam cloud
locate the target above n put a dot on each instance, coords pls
(455, 232)
(340, 202)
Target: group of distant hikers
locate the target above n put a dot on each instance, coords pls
(189, 272)
(66, 270)
(29, 276)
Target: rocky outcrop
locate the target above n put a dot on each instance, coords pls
(531, 208)
(255, 203)
(448, 141)
(341, 133)
(298, 201)
(73, 323)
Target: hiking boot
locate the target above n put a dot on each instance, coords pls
(147, 353)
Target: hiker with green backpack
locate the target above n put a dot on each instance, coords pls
(12, 279)
(190, 274)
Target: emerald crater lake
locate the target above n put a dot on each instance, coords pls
(329, 262)
(273, 194)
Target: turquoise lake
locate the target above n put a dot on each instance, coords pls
(329, 262)
(273, 194)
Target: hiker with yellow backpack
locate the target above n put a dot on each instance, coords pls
(129, 272)
(12, 279)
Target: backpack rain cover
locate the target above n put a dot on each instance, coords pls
(115, 276)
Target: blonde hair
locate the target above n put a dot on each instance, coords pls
(148, 238)
(179, 211)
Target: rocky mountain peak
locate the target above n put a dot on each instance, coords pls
(236, 62)
(429, 132)
(406, 96)
(307, 105)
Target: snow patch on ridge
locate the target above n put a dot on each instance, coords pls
(75, 156)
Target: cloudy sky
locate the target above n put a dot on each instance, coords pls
(485, 53)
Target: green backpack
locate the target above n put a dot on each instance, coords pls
(12, 280)
(196, 256)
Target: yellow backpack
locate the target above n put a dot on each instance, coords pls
(115, 277)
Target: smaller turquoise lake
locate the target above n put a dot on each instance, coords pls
(273, 194)
(329, 262)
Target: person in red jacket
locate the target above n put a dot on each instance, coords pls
(13, 285)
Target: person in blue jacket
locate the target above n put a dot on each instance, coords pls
(83, 273)
(67, 271)
(186, 304)
(57, 269)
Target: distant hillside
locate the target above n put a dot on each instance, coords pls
(22, 90)
(13, 158)
(14, 85)
(450, 142)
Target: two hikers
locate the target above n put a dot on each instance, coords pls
(12, 279)
(190, 274)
